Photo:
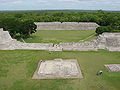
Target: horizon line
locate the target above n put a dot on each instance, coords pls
(58, 10)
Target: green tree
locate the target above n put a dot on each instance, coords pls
(102, 29)
(27, 28)
(116, 25)
(18, 15)
(17, 27)
(1, 23)
(11, 25)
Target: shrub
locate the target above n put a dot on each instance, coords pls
(102, 29)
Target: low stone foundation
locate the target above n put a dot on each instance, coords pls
(57, 68)
(113, 67)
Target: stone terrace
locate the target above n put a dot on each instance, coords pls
(107, 41)
(66, 26)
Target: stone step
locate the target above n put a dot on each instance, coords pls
(55, 49)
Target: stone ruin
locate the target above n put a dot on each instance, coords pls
(7, 43)
(106, 41)
(57, 68)
(66, 26)
(109, 41)
(113, 67)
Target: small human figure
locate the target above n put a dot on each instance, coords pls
(53, 45)
(99, 72)
(41, 60)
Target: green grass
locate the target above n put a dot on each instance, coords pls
(18, 66)
(57, 36)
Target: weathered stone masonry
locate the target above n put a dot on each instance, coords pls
(66, 26)
(107, 41)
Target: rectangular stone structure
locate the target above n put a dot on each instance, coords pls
(113, 67)
(57, 68)
(66, 25)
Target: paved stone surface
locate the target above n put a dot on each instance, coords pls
(58, 68)
(113, 67)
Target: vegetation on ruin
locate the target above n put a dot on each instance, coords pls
(18, 66)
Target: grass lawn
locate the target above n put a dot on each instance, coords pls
(57, 36)
(18, 66)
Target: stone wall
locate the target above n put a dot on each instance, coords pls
(83, 46)
(112, 41)
(66, 26)
(107, 41)
(4, 36)
(7, 43)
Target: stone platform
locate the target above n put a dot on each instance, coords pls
(66, 25)
(57, 68)
(113, 67)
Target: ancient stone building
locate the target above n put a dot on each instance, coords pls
(66, 26)
(107, 41)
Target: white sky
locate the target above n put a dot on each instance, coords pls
(59, 4)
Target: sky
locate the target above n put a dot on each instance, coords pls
(59, 4)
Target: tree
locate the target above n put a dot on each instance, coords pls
(102, 29)
(18, 15)
(108, 19)
(100, 11)
(17, 27)
(116, 25)
(1, 23)
(27, 28)
(11, 25)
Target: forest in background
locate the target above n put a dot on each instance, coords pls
(108, 20)
(103, 18)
